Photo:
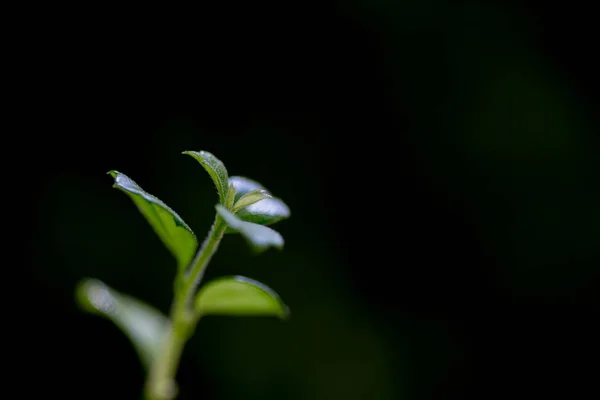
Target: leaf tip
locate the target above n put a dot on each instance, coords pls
(279, 245)
(94, 296)
(266, 194)
(279, 242)
(192, 153)
(197, 155)
(285, 313)
(115, 175)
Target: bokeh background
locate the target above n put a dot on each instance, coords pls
(440, 161)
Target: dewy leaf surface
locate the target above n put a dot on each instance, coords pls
(168, 225)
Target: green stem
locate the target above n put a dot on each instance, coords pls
(160, 384)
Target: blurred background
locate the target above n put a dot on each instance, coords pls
(440, 161)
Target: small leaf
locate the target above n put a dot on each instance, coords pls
(230, 197)
(252, 197)
(258, 236)
(244, 185)
(265, 212)
(172, 230)
(144, 325)
(216, 169)
(239, 296)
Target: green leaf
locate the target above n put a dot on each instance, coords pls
(239, 296)
(144, 325)
(265, 212)
(216, 169)
(258, 236)
(252, 197)
(230, 197)
(172, 230)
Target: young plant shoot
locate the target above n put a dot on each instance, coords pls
(245, 207)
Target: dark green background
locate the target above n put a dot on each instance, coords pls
(440, 161)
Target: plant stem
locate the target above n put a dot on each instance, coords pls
(160, 384)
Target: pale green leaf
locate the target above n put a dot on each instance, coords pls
(239, 296)
(144, 325)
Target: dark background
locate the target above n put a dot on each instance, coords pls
(440, 161)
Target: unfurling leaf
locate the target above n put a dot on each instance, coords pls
(230, 197)
(239, 296)
(258, 236)
(144, 325)
(252, 197)
(216, 169)
(264, 212)
(170, 228)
